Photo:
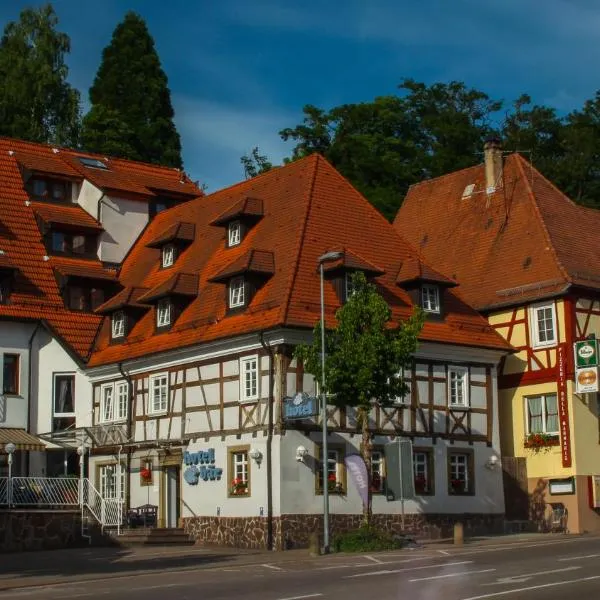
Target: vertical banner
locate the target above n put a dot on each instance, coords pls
(357, 468)
(563, 407)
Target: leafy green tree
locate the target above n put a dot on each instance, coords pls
(131, 114)
(365, 356)
(36, 102)
(255, 163)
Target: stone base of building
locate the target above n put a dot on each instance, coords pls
(294, 531)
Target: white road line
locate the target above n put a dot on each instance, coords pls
(533, 587)
(444, 552)
(579, 557)
(274, 567)
(391, 571)
(301, 597)
(381, 562)
(375, 560)
(526, 576)
(450, 575)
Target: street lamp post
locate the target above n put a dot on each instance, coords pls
(329, 256)
(10, 450)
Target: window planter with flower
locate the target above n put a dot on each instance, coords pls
(458, 486)
(420, 485)
(541, 442)
(239, 487)
(146, 474)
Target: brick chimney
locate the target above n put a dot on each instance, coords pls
(492, 151)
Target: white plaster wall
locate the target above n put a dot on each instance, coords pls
(123, 220)
(14, 339)
(88, 198)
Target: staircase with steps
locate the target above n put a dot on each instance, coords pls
(153, 537)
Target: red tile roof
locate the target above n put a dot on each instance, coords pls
(245, 207)
(524, 242)
(129, 297)
(179, 284)
(71, 215)
(254, 261)
(5, 263)
(412, 269)
(79, 267)
(36, 295)
(309, 208)
(351, 260)
(180, 232)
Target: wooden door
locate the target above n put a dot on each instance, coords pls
(516, 496)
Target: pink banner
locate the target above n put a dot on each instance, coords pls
(357, 468)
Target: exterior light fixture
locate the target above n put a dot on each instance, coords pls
(301, 452)
(256, 455)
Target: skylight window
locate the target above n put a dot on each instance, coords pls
(468, 191)
(92, 162)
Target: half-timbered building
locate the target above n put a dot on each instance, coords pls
(195, 357)
(524, 255)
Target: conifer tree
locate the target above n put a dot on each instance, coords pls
(131, 114)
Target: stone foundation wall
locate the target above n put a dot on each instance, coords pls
(40, 530)
(293, 531)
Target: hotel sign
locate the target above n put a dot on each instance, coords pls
(563, 407)
(300, 406)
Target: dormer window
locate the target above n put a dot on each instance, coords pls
(168, 255)
(67, 243)
(234, 233)
(430, 298)
(118, 324)
(237, 292)
(50, 189)
(4, 289)
(163, 313)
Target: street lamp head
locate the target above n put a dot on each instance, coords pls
(10, 448)
(333, 255)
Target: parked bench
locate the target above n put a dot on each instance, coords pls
(142, 516)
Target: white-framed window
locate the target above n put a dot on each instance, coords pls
(168, 255)
(430, 298)
(163, 313)
(249, 378)
(118, 324)
(542, 319)
(234, 233)
(406, 375)
(377, 471)
(63, 401)
(459, 473)
(458, 387)
(159, 393)
(335, 472)
(239, 471)
(113, 401)
(237, 292)
(542, 414)
(350, 289)
(112, 481)
(423, 477)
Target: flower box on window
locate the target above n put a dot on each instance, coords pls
(458, 486)
(538, 442)
(146, 473)
(239, 487)
(334, 486)
(420, 485)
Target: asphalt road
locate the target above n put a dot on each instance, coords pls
(550, 570)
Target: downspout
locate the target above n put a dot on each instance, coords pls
(129, 428)
(270, 545)
(30, 386)
(99, 219)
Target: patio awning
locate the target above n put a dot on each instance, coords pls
(21, 439)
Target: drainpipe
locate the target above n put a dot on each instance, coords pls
(129, 428)
(30, 386)
(270, 544)
(98, 215)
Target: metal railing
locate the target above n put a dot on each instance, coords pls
(55, 492)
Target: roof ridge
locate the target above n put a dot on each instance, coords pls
(314, 158)
(433, 179)
(519, 160)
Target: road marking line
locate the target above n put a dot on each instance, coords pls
(274, 567)
(450, 575)
(381, 562)
(301, 597)
(526, 576)
(375, 560)
(444, 552)
(391, 571)
(579, 557)
(533, 587)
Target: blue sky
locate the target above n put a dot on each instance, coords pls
(240, 71)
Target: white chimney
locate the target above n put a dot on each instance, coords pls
(492, 152)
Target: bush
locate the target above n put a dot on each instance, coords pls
(367, 539)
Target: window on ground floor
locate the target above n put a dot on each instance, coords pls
(336, 471)
(423, 471)
(461, 473)
(239, 471)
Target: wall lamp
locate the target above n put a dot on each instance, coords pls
(256, 455)
(301, 452)
(492, 462)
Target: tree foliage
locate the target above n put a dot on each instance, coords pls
(131, 114)
(255, 163)
(36, 102)
(365, 356)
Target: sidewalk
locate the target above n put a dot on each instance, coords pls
(33, 569)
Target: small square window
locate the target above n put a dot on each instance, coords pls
(118, 324)
(458, 382)
(159, 392)
(10, 374)
(460, 473)
(249, 378)
(234, 233)
(163, 313)
(237, 292)
(168, 255)
(430, 298)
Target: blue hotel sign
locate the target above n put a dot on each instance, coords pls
(300, 406)
(201, 465)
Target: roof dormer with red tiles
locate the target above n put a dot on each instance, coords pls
(239, 219)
